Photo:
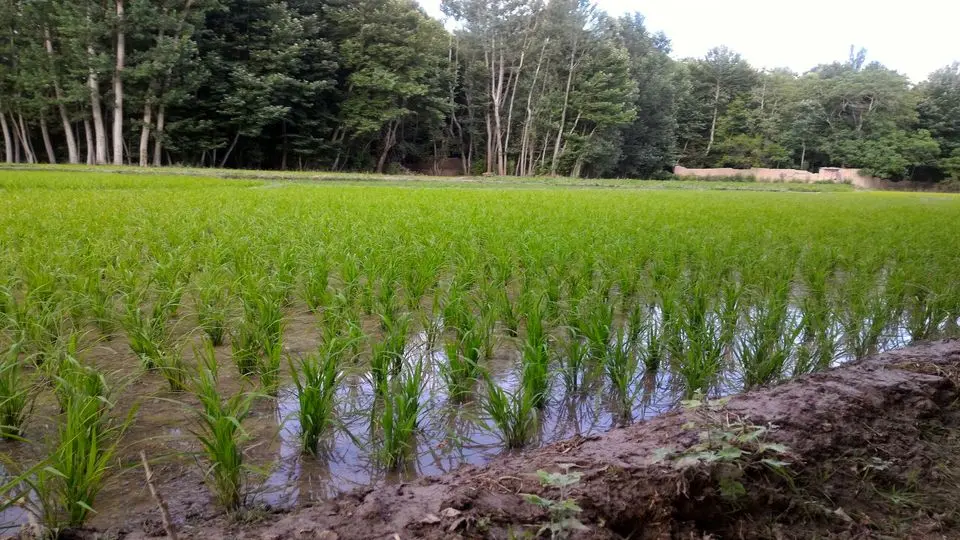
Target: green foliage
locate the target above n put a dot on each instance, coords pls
(317, 377)
(563, 512)
(17, 394)
(513, 414)
(61, 489)
(401, 416)
(219, 430)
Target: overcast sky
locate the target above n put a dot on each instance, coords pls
(913, 37)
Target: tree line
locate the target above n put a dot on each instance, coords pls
(517, 87)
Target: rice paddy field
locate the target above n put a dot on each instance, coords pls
(271, 342)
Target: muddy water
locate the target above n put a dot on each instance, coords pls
(451, 435)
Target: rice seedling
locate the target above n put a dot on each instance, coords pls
(535, 359)
(61, 490)
(401, 416)
(697, 351)
(513, 414)
(100, 302)
(316, 279)
(269, 368)
(596, 324)
(866, 314)
(213, 310)
(819, 331)
(462, 370)
(768, 344)
(219, 430)
(316, 378)
(245, 348)
(170, 366)
(17, 394)
(622, 368)
(387, 354)
(147, 331)
(573, 363)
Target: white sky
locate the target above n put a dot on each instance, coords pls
(914, 37)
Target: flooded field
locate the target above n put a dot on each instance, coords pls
(283, 346)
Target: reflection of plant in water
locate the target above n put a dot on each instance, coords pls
(732, 444)
(563, 511)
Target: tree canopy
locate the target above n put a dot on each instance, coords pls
(511, 87)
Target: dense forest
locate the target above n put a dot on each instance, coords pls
(517, 87)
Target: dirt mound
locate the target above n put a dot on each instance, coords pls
(870, 450)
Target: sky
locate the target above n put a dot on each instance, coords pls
(914, 37)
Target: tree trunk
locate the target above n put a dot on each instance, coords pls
(803, 156)
(91, 143)
(96, 109)
(158, 137)
(161, 108)
(513, 97)
(7, 138)
(230, 150)
(528, 122)
(563, 113)
(145, 135)
(47, 144)
(118, 88)
(25, 140)
(713, 124)
(73, 154)
(388, 145)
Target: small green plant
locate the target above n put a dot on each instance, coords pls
(170, 366)
(245, 348)
(513, 414)
(146, 330)
(17, 394)
(219, 431)
(61, 490)
(622, 369)
(573, 363)
(388, 353)
(731, 444)
(401, 415)
(269, 368)
(213, 311)
(563, 511)
(317, 377)
(462, 369)
(535, 361)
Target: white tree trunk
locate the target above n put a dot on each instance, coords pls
(91, 143)
(522, 166)
(563, 113)
(713, 124)
(47, 143)
(118, 88)
(25, 140)
(73, 154)
(145, 135)
(158, 138)
(96, 108)
(7, 138)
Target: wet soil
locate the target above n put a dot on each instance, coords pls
(868, 450)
